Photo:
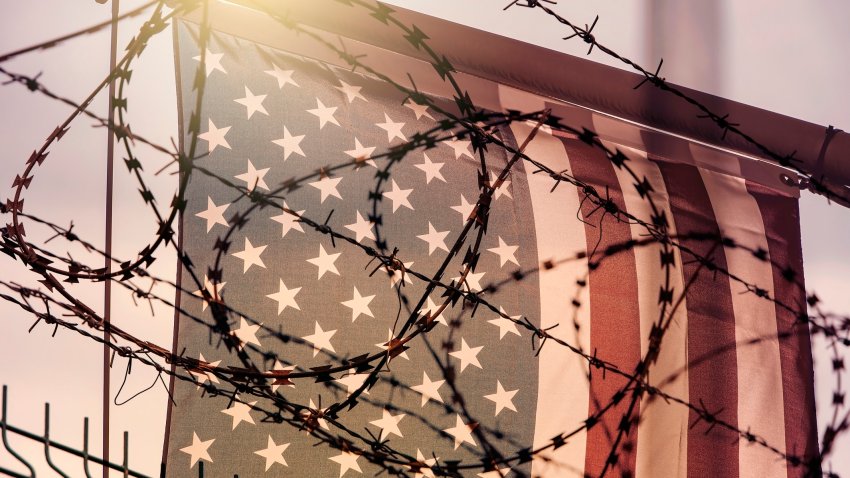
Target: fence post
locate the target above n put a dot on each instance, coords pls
(47, 442)
(12, 452)
(86, 447)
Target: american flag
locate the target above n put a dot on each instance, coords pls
(300, 300)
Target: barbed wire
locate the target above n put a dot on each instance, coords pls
(819, 184)
(484, 129)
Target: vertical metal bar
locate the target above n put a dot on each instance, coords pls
(107, 284)
(124, 463)
(47, 442)
(179, 279)
(86, 447)
(201, 469)
(12, 452)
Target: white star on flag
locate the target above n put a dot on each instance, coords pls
(347, 461)
(429, 389)
(212, 61)
(252, 103)
(388, 423)
(290, 144)
(285, 297)
(465, 209)
(215, 136)
(280, 367)
(213, 289)
(273, 453)
(251, 256)
(325, 262)
(462, 432)
(283, 77)
(435, 239)
(473, 281)
(418, 110)
(289, 221)
(502, 398)
(361, 228)
(361, 151)
(246, 333)
(399, 196)
(467, 355)
(214, 214)
(240, 412)
(423, 471)
(505, 252)
(396, 275)
(202, 377)
(198, 450)
(321, 339)
(431, 308)
(253, 177)
(327, 187)
(353, 381)
(385, 345)
(503, 189)
(460, 147)
(495, 473)
(505, 325)
(313, 409)
(359, 305)
(393, 129)
(431, 169)
(351, 92)
(324, 113)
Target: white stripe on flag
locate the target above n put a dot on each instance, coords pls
(563, 387)
(662, 445)
(760, 402)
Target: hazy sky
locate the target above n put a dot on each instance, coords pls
(783, 56)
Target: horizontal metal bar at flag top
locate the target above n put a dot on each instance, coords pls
(609, 91)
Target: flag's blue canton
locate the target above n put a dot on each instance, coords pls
(268, 117)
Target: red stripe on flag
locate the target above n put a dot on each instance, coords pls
(614, 312)
(781, 218)
(712, 361)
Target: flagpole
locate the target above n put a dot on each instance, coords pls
(107, 284)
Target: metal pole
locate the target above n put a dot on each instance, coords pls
(107, 292)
